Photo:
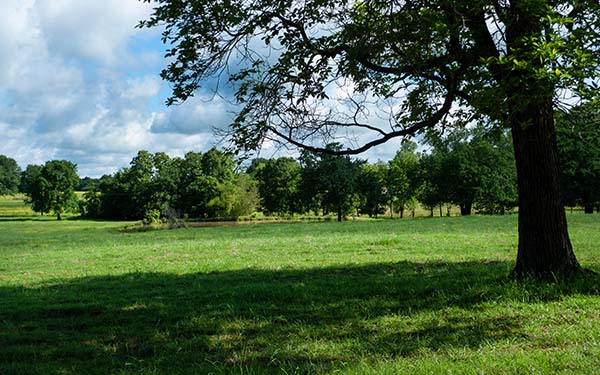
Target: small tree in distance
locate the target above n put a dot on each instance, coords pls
(10, 175)
(51, 187)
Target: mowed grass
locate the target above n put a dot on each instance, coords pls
(12, 206)
(422, 296)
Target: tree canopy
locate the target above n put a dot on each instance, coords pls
(51, 187)
(10, 175)
(309, 72)
(579, 141)
(417, 60)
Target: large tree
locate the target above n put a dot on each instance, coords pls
(307, 72)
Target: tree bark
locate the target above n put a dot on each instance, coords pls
(544, 246)
(544, 249)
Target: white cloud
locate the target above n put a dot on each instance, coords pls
(199, 114)
(95, 30)
(79, 82)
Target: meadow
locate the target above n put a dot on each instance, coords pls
(411, 296)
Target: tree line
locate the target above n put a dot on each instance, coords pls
(472, 169)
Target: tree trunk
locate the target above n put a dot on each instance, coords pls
(339, 214)
(544, 246)
(588, 208)
(441, 210)
(58, 215)
(401, 212)
(466, 208)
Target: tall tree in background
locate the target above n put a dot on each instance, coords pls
(402, 175)
(34, 190)
(333, 178)
(580, 156)
(425, 61)
(278, 181)
(10, 175)
(371, 188)
(51, 187)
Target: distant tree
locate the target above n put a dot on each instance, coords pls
(335, 179)
(371, 188)
(579, 152)
(139, 179)
(236, 197)
(309, 190)
(53, 188)
(86, 183)
(402, 178)
(473, 169)
(498, 190)
(431, 187)
(91, 204)
(194, 189)
(218, 164)
(278, 181)
(200, 179)
(255, 165)
(10, 175)
(33, 187)
(165, 178)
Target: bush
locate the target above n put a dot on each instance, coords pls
(151, 217)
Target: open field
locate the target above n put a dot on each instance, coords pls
(423, 296)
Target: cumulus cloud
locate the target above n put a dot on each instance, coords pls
(197, 115)
(78, 81)
(95, 30)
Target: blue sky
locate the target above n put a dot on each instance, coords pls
(79, 82)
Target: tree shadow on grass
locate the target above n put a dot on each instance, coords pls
(255, 321)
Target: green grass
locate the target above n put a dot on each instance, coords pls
(12, 206)
(423, 296)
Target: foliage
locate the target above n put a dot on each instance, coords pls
(371, 188)
(489, 57)
(10, 175)
(471, 168)
(86, 184)
(402, 179)
(51, 187)
(331, 178)
(32, 187)
(421, 65)
(235, 198)
(577, 134)
(278, 181)
(199, 185)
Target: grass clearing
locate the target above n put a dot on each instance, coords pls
(421, 296)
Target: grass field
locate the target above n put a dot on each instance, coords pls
(422, 296)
